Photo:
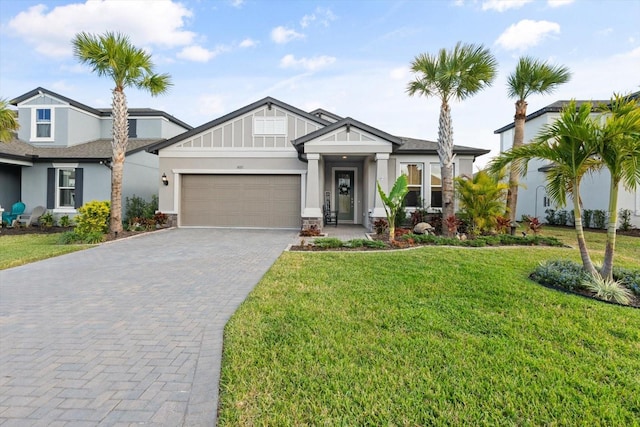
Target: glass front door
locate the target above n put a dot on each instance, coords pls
(344, 192)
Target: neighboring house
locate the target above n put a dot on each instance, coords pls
(270, 164)
(60, 158)
(594, 189)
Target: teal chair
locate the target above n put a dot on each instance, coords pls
(17, 209)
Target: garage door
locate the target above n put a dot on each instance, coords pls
(240, 201)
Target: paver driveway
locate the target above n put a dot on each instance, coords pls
(127, 333)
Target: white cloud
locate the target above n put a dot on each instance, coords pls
(605, 31)
(200, 54)
(51, 31)
(310, 64)
(248, 43)
(399, 73)
(237, 3)
(283, 35)
(321, 15)
(526, 33)
(559, 3)
(502, 5)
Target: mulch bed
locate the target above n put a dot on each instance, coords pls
(18, 231)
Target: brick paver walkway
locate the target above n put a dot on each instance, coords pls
(127, 333)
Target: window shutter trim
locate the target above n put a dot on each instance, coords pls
(51, 188)
(79, 187)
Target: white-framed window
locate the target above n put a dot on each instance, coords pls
(42, 124)
(270, 125)
(65, 187)
(413, 171)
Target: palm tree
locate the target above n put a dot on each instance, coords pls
(531, 76)
(451, 75)
(113, 55)
(570, 145)
(8, 122)
(619, 151)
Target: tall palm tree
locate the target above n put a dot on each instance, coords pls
(619, 151)
(113, 55)
(449, 75)
(8, 122)
(570, 144)
(531, 76)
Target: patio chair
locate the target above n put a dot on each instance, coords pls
(330, 217)
(16, 209)
(32, 218)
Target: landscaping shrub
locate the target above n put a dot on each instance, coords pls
(561, 273)
(328, 242)
(550, 216)
(69, 238)
(93, 218)
(359, 243)
(625, 219)
(607, 289)
(65, 221)
(46, 220)
(629, 278)
(136, 207)
(561, 217)
(599, 219)
(587, 214)
(381, 226)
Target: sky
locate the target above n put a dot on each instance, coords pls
(351, 58)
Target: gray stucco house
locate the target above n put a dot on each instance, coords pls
(270, 164)
(61, 155)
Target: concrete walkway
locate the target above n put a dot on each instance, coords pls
(127, 333)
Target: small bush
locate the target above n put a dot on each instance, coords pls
(381, 226)
(587, 214)
(366, 243)
(599, 219)
(93, 218)
(65, 221)
(562, 217)
(564, 274)
(69, 238)
(625, 219)
(136, 207)
(328, 242)
(629, 278)
(93, 237)
(550, 216)
(46, 220)
(607, 289)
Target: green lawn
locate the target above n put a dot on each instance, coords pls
(22, 249)
(432, 336)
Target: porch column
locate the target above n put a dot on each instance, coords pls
(382, 176)
(312, 201)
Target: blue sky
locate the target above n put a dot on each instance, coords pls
(349, 57)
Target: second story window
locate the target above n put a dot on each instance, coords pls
(42, 124)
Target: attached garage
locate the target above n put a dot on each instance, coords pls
(269, 201)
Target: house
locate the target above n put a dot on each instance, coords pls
(594, 188)
(270, 164)
(61, 155)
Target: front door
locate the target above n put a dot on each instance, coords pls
(344, 191)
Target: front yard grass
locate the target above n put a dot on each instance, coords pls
(22, 249)
(431, 336)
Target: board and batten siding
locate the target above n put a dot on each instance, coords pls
(239, 133)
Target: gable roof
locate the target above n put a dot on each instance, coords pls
(557, 107)
(101, 112)
(347, 122)
(97, 150)
(234, 114)
(319, 112)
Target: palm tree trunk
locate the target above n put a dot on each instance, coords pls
(119, 145)
(582, 244)
(518, 140)
(607, 264)
(445, 153)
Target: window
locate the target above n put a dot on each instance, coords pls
(436, 184)
(413, 171)
(43, 123)
(270, 125)
(133, 128)
(66, 188)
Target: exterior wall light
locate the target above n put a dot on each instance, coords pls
(165, 180)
